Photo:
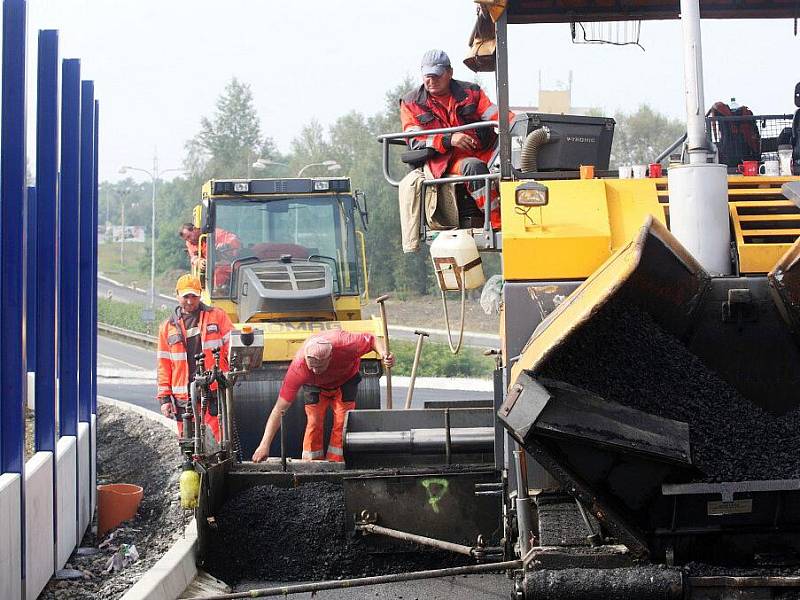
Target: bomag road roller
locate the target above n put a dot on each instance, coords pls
(285, 257)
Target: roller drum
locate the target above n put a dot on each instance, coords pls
(631, 583)
(422, 441)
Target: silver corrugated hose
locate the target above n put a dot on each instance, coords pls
(530, 149)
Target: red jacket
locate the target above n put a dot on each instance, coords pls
(173, 366)
(345, 360)
(419, 111)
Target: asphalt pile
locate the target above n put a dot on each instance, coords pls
(267, 533)
(622, 355)
(130, 449)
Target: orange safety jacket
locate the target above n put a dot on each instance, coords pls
(420, 111)
(173, 366)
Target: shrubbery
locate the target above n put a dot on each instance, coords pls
(128, 315)
(437, 361)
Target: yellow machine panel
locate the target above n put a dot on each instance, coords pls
(282, 340)
(583, 223)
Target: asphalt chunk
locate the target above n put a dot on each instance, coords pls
(622, 355)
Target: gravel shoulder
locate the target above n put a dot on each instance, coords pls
(130, 449)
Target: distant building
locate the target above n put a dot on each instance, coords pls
(554, 101)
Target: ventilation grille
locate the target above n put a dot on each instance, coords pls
(290, 277)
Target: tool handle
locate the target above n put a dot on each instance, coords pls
(382, 299)
(386, 343)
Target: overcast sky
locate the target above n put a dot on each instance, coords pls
(159, 66)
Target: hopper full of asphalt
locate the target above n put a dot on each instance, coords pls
(623, 355)
(268, 533)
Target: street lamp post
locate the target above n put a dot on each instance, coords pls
(331, 164)
(154, 175)
(122, 196)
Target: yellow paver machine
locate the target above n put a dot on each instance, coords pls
(643, 441)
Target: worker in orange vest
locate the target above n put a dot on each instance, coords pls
(440, 102)
(327, 367)
(193, 328)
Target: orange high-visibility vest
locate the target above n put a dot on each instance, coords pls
(173, 365)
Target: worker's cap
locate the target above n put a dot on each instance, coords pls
(435, 62)
(317, 352)
(188, 284)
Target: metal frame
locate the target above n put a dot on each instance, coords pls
(491, 238)
(69, 219)
(396, 139)
(12, 218)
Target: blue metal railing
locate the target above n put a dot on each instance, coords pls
(46, 282)
(68, 225)
(48, 286)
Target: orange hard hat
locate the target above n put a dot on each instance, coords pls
(188, 284)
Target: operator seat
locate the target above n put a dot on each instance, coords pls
(469, 215)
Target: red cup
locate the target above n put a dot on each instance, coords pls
(654, 170)
(748, 168)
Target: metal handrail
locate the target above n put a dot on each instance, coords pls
(487, 178)
(673, 146)
(386, 139)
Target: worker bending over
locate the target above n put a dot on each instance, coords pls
(193, 328)
(442, 101)
(327, 367)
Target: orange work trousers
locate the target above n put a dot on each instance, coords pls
(315, 425)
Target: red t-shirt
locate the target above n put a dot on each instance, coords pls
(345, 360)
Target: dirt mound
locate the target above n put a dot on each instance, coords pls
(130, 449)
(624, 356)
(298, 534)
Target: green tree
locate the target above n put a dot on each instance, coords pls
(640, 136)
(231, 140)
(351, 141)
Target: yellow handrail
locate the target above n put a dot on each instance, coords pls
(365, 295)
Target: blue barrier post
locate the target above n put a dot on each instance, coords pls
(95, 219)
(30, 280)
(88, 234)
(12, 219)
(69, 218)
(47, 227)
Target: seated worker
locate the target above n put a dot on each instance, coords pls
(442, 101)
(226, 244)
(193, 328)
(327, 368)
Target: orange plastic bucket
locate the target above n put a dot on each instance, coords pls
(116, 502)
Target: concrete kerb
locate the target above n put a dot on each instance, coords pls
(173, 572)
